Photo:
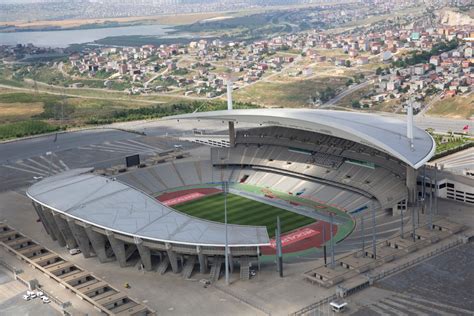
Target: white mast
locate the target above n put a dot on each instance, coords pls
(410, 123)
(229, 93)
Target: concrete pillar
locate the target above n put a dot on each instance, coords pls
(145, 254)
(203, 263)
(411, 184)
(232, 134)
(98, 244)
(43, 219)
(412, 196)
(80, 235)
(118, 247)
(65, 231)
(231, 262)
(48, 215)
(173, 258)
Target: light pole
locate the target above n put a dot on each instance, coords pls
(374, 231)
(50, 154)
(279, 252)
(225, 188)
(436, 189)
(324, 243)
(363, 234)
(332, 241)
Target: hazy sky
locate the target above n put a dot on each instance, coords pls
(20, 1)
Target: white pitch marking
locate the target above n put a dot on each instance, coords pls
(143, 144)
(50, 162)
(27, 166)
(24, 170)
(378, 310)
(391, 309)
(393, 300)
(422, 300)
(95, 148)
(129, 147)
(63, 164)
(39, 166)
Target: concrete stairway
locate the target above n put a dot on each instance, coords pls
(163, 266)
(215, 270)
(244, 268)
(189, 267)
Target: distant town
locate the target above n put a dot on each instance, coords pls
(419, 58)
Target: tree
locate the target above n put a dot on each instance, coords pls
(356, 104)
(378, 71)
(348, 63)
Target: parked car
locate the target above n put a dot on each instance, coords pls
(74, 251)
(26, 297)
(45, 300)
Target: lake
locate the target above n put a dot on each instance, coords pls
(68, 37)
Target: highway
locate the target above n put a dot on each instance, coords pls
(345, 93)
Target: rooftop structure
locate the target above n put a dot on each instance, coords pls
(115, 206)
(385, 134)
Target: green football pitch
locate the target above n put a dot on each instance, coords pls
(243, 211)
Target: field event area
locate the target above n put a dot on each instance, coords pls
(250, 205)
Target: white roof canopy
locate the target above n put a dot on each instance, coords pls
(115, 206)
(385, 134)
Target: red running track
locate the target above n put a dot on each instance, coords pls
(178, 197)
(303, 238)
(300, 239)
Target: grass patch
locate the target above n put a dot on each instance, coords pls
(343, 229)
(293, 94)
(459, 107)
(449, 143)
(22, 97)
(13, 112)
(243, 211)
(26, 128)
(164, 110)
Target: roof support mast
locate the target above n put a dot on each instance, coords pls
(411, 172)
(229, 107)
(410, 124)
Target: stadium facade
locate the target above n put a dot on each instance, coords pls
(343, 158)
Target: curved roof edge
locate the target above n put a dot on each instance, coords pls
(96, 200)
(380, 132)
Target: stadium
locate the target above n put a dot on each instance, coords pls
(314, 170)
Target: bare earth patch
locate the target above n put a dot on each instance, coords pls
(11, 112)
(459, 107)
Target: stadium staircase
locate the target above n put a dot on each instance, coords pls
(189, 267)
(109, 252)
(129, 251)
(163, 266)
(244, 268)
(216, 270)
(198, 171)
(175, 169)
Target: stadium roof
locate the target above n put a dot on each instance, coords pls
(117, 207)
(383, 133)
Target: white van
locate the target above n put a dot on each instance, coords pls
(74, 251)
(338, 306)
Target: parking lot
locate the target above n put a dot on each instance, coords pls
(12, 302)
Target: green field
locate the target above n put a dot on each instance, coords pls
(243, 211)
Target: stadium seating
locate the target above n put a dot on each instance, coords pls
(318, 143)
(388, 187)
(326, 168)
